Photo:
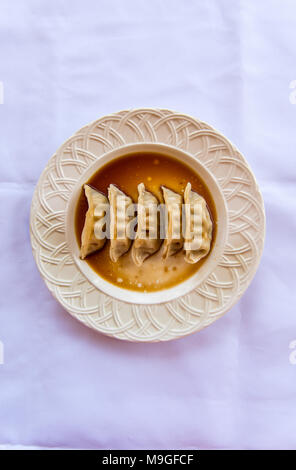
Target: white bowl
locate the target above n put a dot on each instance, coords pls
(181, 289)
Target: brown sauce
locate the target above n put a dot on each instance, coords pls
(154, 170)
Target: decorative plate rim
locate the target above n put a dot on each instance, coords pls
(189, 313)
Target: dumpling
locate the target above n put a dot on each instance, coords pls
(173, 238)
(198, 226)
(92, 238)
(146, 241)
(120, 238)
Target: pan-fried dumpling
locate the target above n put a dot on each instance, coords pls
(92, 238)
(173, 238)
(146, 242)
(120, 238)
(198, 226)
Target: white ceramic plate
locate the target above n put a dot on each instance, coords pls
(188, 307)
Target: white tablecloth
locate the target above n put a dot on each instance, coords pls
(64, 64)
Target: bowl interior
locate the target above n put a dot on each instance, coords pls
(184, 287)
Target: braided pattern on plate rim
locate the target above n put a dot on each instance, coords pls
(190, 313)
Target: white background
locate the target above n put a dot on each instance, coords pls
(66, 63)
